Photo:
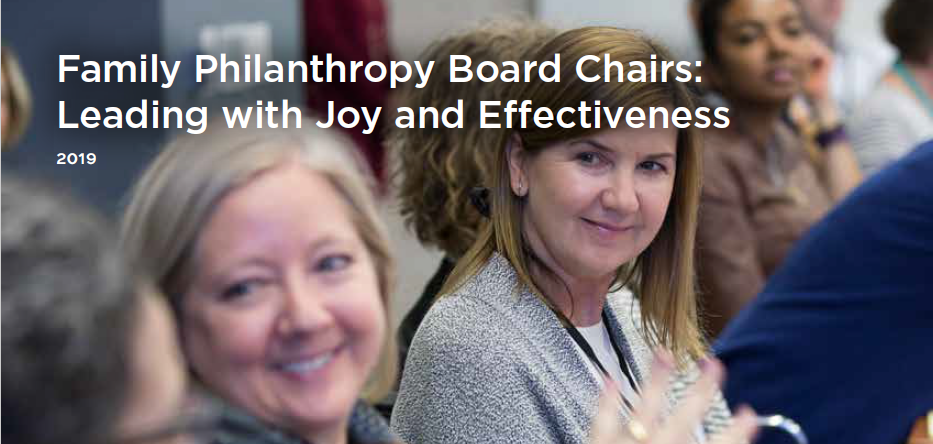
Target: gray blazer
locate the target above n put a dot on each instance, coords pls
(490, 364)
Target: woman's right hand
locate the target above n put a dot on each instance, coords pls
(647, 427)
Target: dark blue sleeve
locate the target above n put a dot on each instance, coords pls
(840, 338)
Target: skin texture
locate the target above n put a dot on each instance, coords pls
(284, 317)
(593, 204)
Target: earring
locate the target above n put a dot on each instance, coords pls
(521, 188)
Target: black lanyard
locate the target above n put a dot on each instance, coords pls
(588, 350)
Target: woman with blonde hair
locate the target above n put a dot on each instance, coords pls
(269, 248)
(534, 320)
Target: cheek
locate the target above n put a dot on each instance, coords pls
(656, 198)
(566, 193)
(738, 64)
(362, 313)
(221, 340)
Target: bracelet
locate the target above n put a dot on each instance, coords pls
(830, 137)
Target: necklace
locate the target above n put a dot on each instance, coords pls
(901, 70)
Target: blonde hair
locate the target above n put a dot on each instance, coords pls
(663, 276)
(176, 195)
(19, 98)
(437, 167)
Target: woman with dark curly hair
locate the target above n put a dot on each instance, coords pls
(439, 168)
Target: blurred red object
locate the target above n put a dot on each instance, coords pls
(350, 30)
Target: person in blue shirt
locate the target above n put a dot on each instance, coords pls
(841, 338)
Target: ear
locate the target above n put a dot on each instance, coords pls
(515, 152)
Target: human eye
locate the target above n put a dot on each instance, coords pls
(653, 166)
(240, 289)
(333, 263)
(745, 35)
(589, 159)
(794, 30)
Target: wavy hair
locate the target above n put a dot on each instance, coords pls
(437, 167)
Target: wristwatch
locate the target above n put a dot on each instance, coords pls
(829, 137)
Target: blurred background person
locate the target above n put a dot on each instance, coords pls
(898, 114)
(17, 101)
(89, 352)
(268, 246)
(853, 66)
(439, 168)
(534, 315)
(840, 337)
(765, 183)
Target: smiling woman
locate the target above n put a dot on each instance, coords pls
(535, 317)
(269, 248)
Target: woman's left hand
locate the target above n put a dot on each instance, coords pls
(646, 426)
(819, 66)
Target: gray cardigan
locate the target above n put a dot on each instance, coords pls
(490, 364)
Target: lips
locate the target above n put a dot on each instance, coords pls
(610, 227)
(780, 75)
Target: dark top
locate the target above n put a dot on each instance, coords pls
(840, 338)
(409, 325)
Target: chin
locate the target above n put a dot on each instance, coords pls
(599, 267)
(309, 414)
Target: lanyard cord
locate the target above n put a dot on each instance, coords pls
(901, 69)
(588, 350)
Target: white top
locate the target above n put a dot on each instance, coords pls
(598, 337)
(857, 66)
(887, 125)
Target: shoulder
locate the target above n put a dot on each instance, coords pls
(726, 155)
(461, 323)
(474, 327)
(719, 143)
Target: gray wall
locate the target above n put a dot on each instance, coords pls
(669, 21)
(101, 30)
(40, 30)
(182, 22)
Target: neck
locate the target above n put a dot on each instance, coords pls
(756, 120)
(581, 301)
(330, 435)
(923, 74)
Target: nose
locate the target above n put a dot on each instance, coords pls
(303, 310)
(621, 195)
(778, 43)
